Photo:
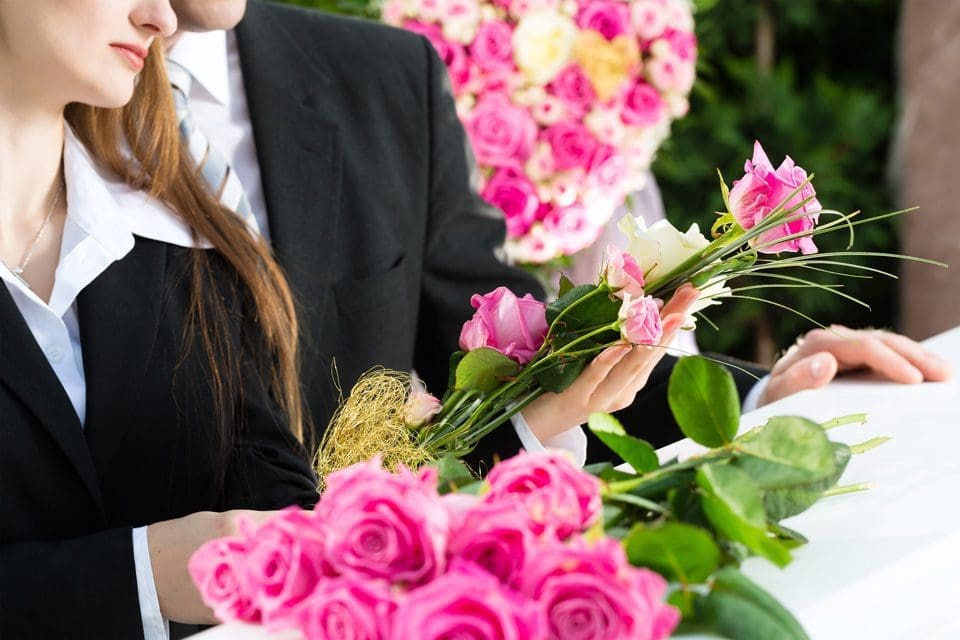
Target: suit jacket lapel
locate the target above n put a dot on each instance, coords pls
(298, 149)
(25, 371)
(119, 315)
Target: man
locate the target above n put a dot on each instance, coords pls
(345, 138)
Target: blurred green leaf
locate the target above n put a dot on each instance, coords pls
(680, 552)
(784, 503)
(738, 608)
(786, 451)
(634, 451)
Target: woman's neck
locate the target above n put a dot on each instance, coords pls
(31, 152)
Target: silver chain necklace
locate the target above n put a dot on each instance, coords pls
(28, 255)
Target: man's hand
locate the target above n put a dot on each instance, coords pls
(818, 357)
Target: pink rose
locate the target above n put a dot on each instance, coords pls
(467, 602)
(347, 608)
(549, 111)
(420, 408)
(454, 56)
(573, 87)
(590, 592)
(458, 506)
(284, 563)
(640, 320)
(573, 227)
(513, 326)
(609, 171)
(648, 18)
(495, 537)
(668, 72)
(622, 273)
(492, 50)
(536, 247)
(642, 106)
(610, 18)
(217, 570)
(683, 43)
(572, 144)
(762, 189)
(384, 525)
(511, 192)
(559, 498)
(501, 133)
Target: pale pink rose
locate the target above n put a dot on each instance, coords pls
(537, 247)
(648, 17)
(640, 320)
(284, 563)
(511, 192)
(384, 525)
(573, 87)
(420, 408)
(549, 111)
(460, 19)
(347, 608)
(573, 145)
(590, 592)
(608, 171)
(622, 273)
(453, 55)
(217, 569)
(457, 506)
(492, 50)
(429, 10)
(683, 44)
(496, 537)
(394, 11)
(642, 106)
(513, 326)
(560, 499)
(762, 189)
(541, 166)
(610, 18)
(668, 72)
(467, 602)
(574, 227)
(501, 134)
(607, 126)
(521, 8)
(679, 15)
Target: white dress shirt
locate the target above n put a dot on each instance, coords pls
(104, 218)
(218, 104)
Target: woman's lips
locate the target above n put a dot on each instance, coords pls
(135, 55)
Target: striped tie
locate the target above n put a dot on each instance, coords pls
(216, 171)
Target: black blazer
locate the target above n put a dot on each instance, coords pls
(69, 496)
(367, 179)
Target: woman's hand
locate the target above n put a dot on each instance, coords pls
(171, 544)
(611, 381)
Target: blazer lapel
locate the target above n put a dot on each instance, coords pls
(25, 371)
(119, 315)
(298, 150)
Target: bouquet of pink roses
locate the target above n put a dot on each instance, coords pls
(384, 556)
(515, 349)
(564, 103)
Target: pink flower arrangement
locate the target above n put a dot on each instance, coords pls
(511, 325)
(383, 556)
(564, 103)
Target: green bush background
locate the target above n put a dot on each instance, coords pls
(826, 96)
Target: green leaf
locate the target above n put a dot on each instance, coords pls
(784, 503)
(566, 284)
(733, 504)
(787, 451)
(560, 374)
(483, 369)
(704, 401)
(724, 190)
(634, 451)
(453, 473)
(679, 552)
(738, 608)
(594, 312)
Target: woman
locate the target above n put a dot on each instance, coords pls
(147, 340)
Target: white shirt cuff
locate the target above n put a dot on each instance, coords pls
(155, 627)
(573, 441)
(753, 398)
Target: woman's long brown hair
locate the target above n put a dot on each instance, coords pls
(164, 167)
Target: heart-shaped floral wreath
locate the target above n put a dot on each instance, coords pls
(564, 101)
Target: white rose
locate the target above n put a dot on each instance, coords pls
(543, 45)
(661, 248)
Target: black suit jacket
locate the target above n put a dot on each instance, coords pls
(367, 178)
(69, 496)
